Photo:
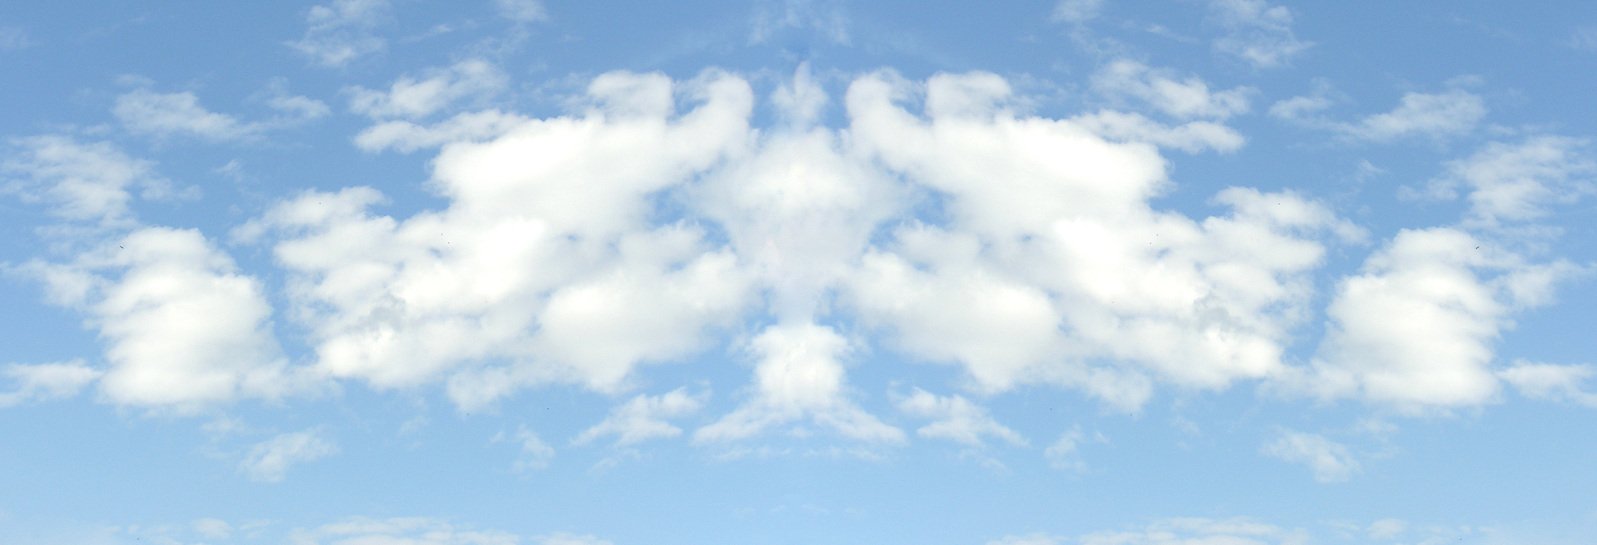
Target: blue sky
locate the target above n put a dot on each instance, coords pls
(1087, 272)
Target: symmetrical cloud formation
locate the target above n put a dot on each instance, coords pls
(656, 219)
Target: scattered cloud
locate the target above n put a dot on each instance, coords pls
(535, 454)
(644, 418)
(400, 531)
(412, 98)
(956, 419)
(522, 11)
(1434, 116)
(1554, 382)
(1196, 531)
(45, 381)
(341, 31)
(1077, 11)
(1256, 32)
(1517, 182)
(1330, 461)
(824, 18)
(270, 460)
(164, 115)
(80, 181)
(1184, 98)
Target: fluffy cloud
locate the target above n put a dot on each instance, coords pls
(1053, 260)
(184, 328)
(1256, 32)
(44, 381)
(1330, 461)
(270, 460)
(1414, 329)
(535, 454)
(341, 31)
(544, 266)
(409, 97)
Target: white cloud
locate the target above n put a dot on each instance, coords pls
(1387, 528)
(522, 11)
(45, 381)
(1551, 381)
(1063, 452)
(822, 17)
(1053, 266)
(799, 377)
(1519, 181)
(1191, 137)
(1256, 32)
(210, 528)
(184, 328)
(956, 419)
(341, 31)
(401, 531)
(1432, 115)
(164, 115)
(1330, 461)
(1077, 11)
(1199, 531)
(1413, 330)
(535, 454)
(406, 136)
(1186, 98)
(644, 418)
(80, 181)
(543, 267)
(438, 89)
(270, 460)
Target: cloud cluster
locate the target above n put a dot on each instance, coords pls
(941, 223)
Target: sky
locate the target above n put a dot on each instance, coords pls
(1085, 272)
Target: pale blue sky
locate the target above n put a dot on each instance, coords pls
(1087, 272)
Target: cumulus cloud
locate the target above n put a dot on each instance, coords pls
(644, 418)
(184, 329)
(1256, 32)
(1329, 460)
(45, 381)
(411, 98)
(543, 267)
(1182, 98)
(341, 31)
(1414, 329)
(956, 419)
(407, 136)
(270, 460)
(1053, 266)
